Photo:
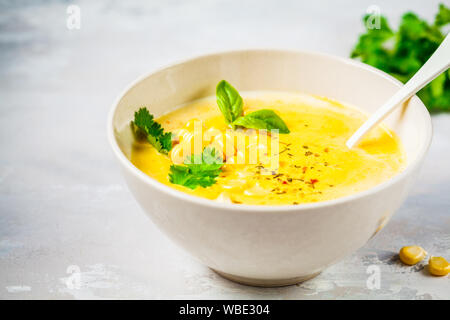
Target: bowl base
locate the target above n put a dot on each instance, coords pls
(268, 283)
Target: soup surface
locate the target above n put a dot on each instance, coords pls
(313, 163)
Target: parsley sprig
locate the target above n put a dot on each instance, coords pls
(198, 170)
(402, 53)
(145, 127)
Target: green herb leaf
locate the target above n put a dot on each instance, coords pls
(199, 170)
(229, 101)
(404, 52)
(231, 105)
(443, 16)
(145, 127)
(262, 119)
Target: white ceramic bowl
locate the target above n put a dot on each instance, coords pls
(269, 245)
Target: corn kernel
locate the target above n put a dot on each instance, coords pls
(438, 266)
(411, 255)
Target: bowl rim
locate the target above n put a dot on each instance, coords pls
(410, 167)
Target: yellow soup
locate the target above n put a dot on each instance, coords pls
(313, 163)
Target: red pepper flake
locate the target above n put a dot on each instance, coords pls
(313, 181)
(304, 169)
(284, 182)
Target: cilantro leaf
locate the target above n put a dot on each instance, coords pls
(443, 16)
(402, 53)
(145, 127)
(262, 119)
(198, 170)
(370, 48)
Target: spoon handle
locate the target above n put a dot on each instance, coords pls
(438, 63)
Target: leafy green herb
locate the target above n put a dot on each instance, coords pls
(229, 101)
(198, 170)
(443, 16)
(262, 119)
(145, 127)
(403, 53)
(231, 105)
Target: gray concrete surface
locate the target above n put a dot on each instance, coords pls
(69, 228)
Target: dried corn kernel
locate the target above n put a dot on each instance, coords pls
(438, 266)
(411, 255)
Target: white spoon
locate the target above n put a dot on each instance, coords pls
(438, 63)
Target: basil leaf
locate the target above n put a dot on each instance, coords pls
(262, 119)
(229, 101)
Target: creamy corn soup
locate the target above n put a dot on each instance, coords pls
(313, 162)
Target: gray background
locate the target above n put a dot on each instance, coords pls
(63, 202)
